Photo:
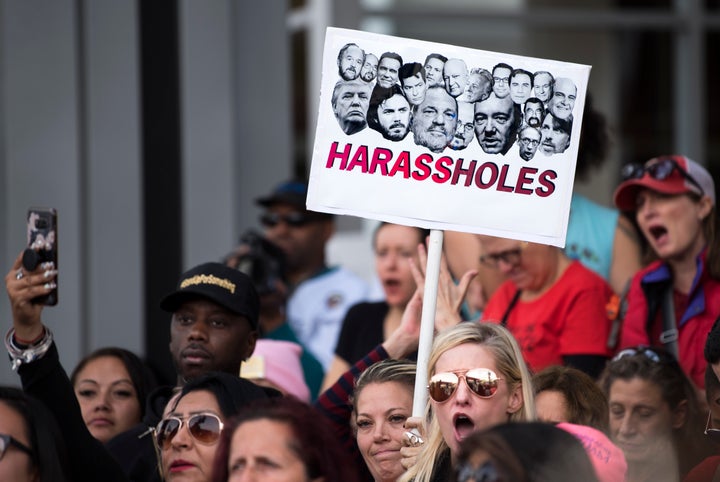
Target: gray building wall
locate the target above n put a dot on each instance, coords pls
(70, 138)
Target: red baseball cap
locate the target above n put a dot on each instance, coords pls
(666, 174)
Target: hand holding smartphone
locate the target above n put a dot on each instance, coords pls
(42, 246)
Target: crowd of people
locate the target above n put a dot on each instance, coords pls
(589, 363)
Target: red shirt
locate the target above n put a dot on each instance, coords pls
(704, 471)
(569, 319)
(695, 315)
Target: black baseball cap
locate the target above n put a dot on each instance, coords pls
(220, 284)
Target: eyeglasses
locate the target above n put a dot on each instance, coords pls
(713, 433)
(659, 170)
(530, 142)
(510, 257)
(204, 427)
(485, 473)
(295, 220)
(8, 440)
(501, 80)
(483, 382)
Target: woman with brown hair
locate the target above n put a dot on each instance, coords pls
(565, 394)
(654, 414)
(675, 300)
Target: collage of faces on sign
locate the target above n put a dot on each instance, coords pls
(445, 103)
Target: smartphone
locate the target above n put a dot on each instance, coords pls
(42, 246)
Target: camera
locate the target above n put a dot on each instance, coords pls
(261, 260)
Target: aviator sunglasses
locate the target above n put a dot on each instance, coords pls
(483, 382)
(659, 171)
(204, 427)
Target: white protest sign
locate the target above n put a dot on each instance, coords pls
(466, 155)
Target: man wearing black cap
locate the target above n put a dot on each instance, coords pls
(320, 295)
(214, 323)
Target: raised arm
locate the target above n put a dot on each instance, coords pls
(42, 376)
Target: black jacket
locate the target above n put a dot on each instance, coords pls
(46, 380)
(134, 449)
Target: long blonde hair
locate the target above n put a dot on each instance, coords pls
(508, 358)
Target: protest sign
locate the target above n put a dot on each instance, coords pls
(446, 137)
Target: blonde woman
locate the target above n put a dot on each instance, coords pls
(477, 379)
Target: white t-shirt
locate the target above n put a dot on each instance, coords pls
(317, 308)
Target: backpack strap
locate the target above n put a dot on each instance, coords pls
(669, 335)
(659, 297)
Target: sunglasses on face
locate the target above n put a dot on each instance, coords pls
(483, 382)
(7, 441)
(204, 427)
(713, 433)
(295, 220)
(659, 170)
(485, 473)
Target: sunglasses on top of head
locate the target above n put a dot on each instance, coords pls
(653, 354)
(483, 382)
(203, 427)
(659, 171)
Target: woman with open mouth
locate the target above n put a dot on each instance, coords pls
(674, 301)
(368, 324)
(477, 379)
